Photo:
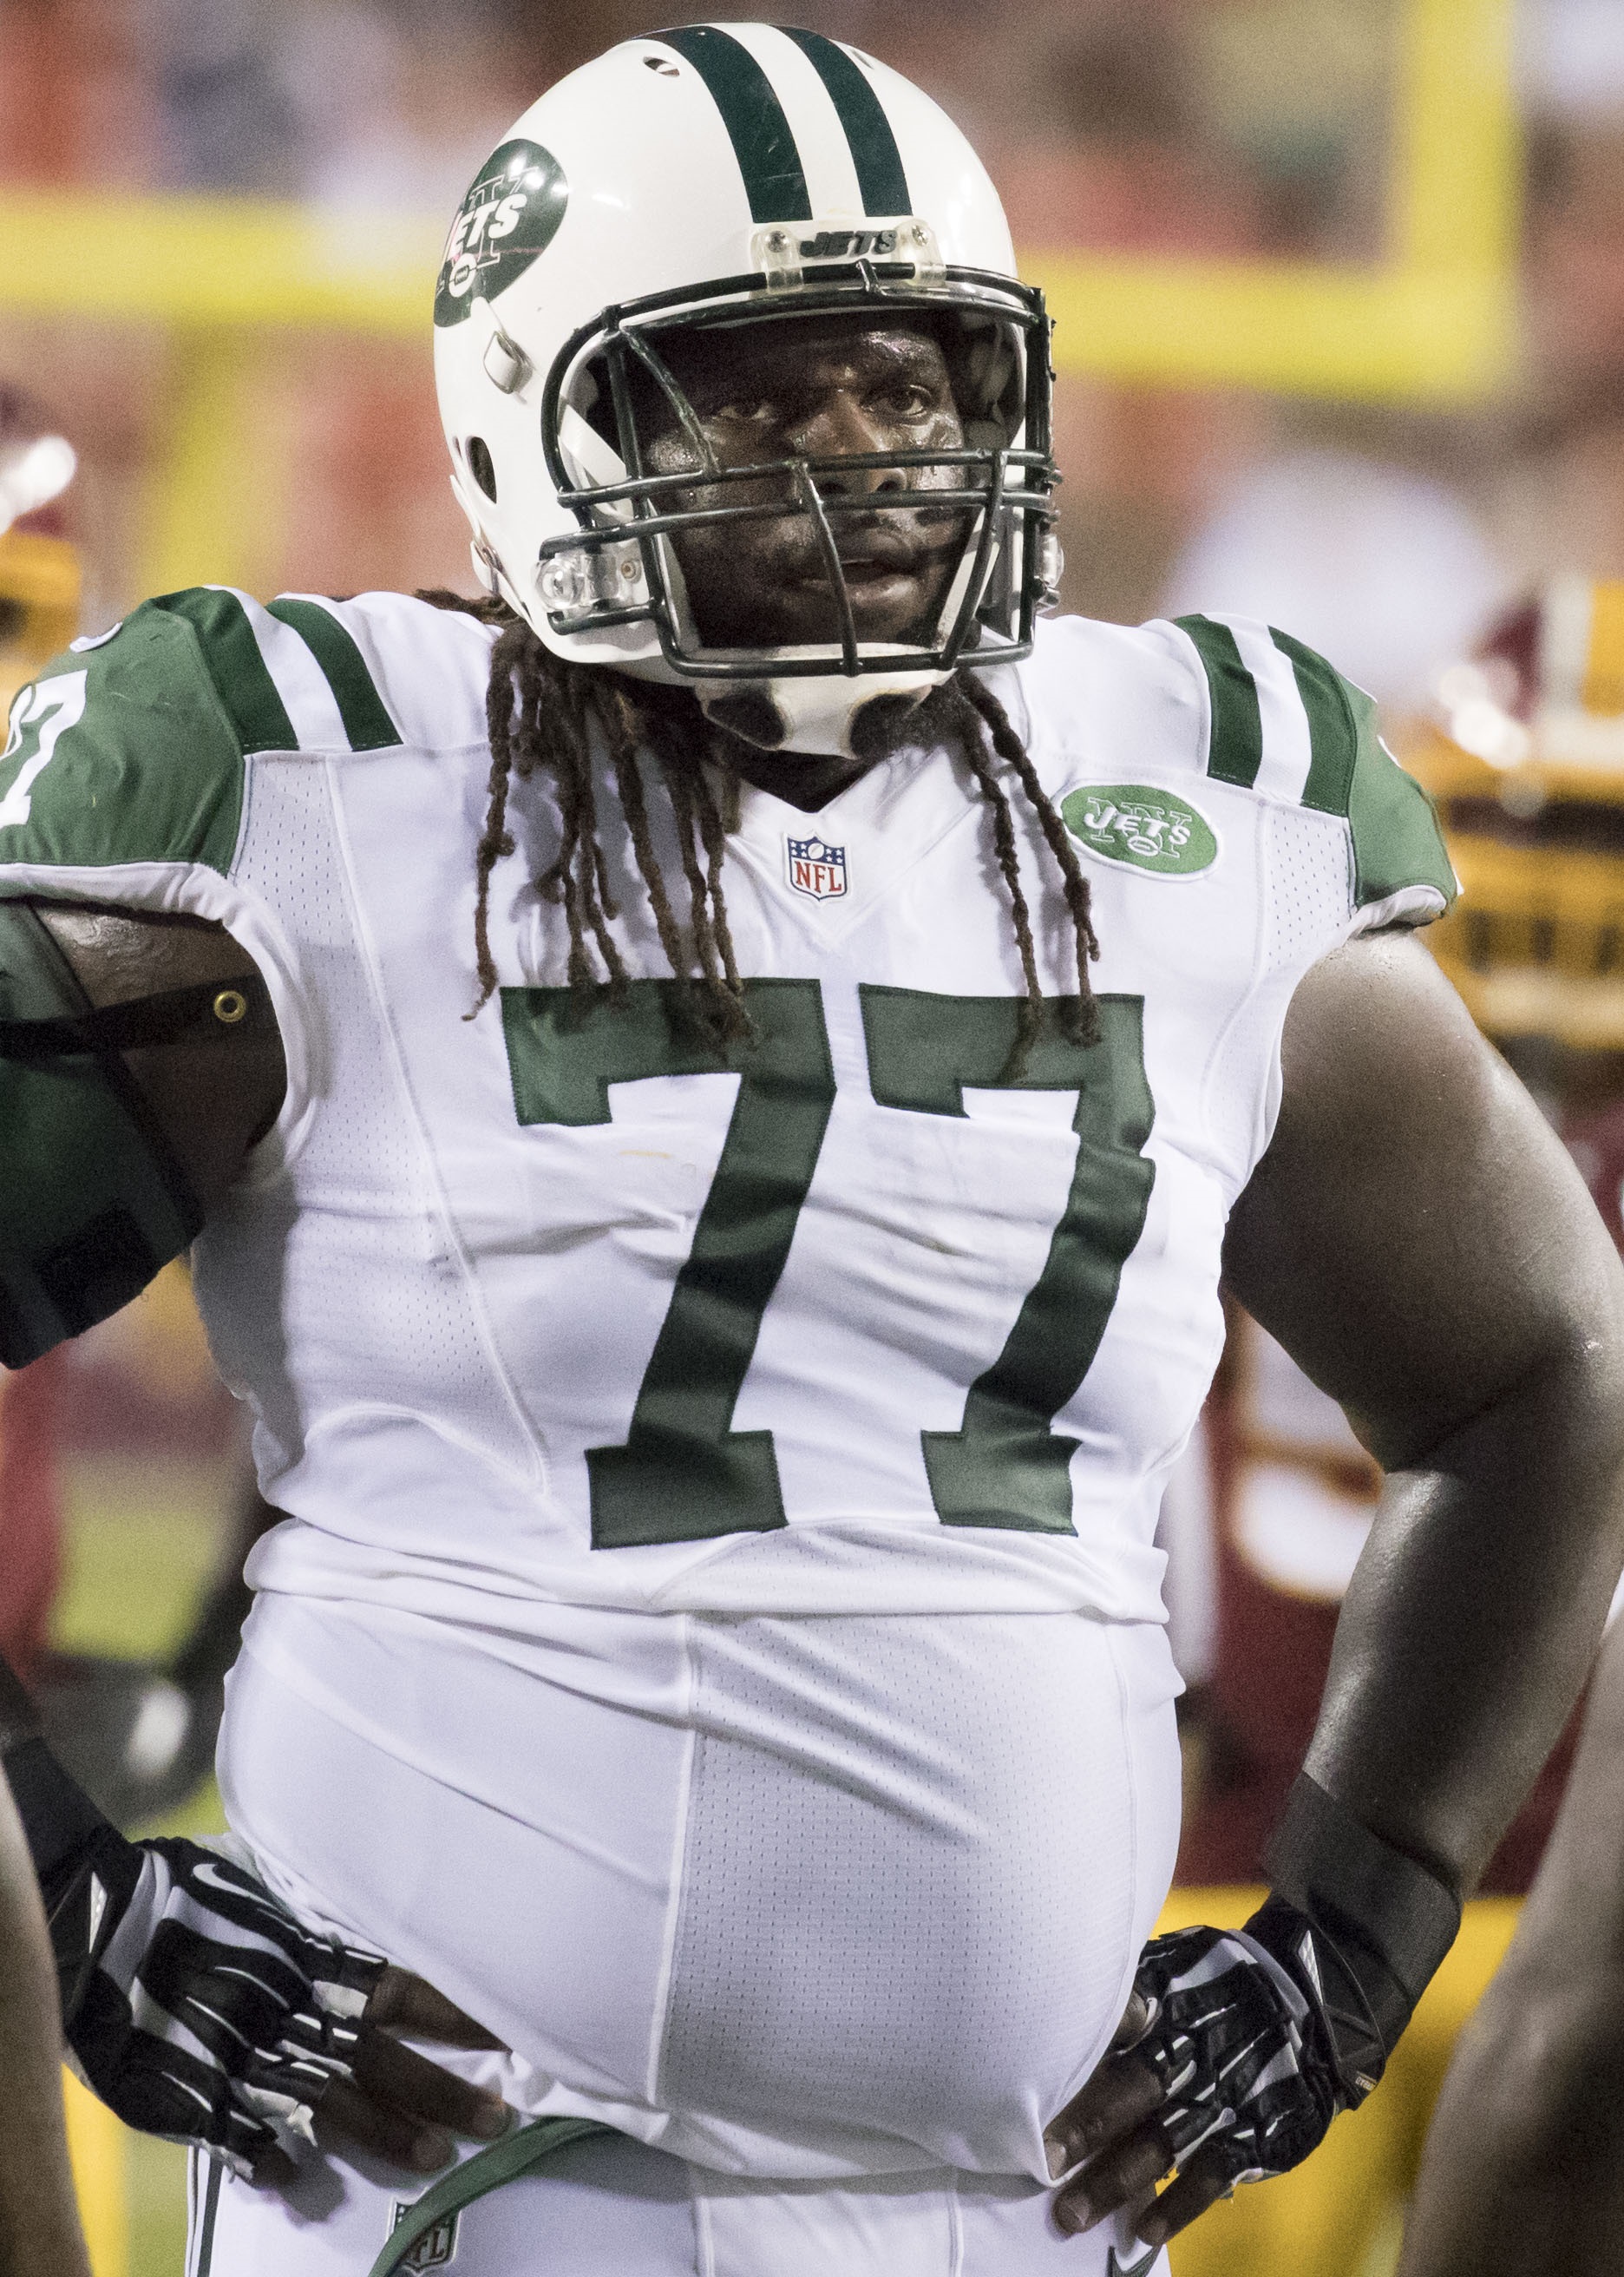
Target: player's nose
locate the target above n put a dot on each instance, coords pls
(843, 426)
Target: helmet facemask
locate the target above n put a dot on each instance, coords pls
(628, 451)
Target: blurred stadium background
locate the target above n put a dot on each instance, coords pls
(1340, 292)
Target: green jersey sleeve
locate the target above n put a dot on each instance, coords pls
(1397, 847)
(131, 748)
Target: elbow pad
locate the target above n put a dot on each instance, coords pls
(94, 1199)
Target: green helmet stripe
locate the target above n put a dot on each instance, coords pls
(1235, 750)
(880, 176)
(764, 143)
(360, 707)
(232, 661)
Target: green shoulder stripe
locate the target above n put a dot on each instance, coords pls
(1333, 733)
(1398, 841)
(360, 707)
(1235, 750)
(131, 750)
(232, 659)
(1397, 838)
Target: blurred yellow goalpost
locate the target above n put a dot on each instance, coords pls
(1432, 322)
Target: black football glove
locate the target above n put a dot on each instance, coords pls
(1240, 2046)
(1239, 2054)
(194, 2004)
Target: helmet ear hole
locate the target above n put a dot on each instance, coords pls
(481, 466)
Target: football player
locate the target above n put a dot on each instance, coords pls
(710, 1096)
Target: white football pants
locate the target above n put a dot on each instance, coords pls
(802, 1898)
(615, 2208)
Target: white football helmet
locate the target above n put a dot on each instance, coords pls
(720, 175)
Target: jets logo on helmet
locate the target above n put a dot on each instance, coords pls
(709, 177)
(510, 213)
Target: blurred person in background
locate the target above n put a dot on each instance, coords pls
(1523, 2173)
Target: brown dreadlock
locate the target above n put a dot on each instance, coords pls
(541, 710)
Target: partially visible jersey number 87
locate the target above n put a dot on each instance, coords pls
(684, 1473)
(38, 718)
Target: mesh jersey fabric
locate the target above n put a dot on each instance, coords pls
(367, 1213)
(456, 1273)
(574, 1518)
(814, 1895)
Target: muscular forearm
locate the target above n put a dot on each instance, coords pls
(39, 2229)
(1474, 1616)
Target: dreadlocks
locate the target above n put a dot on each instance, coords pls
(540, 712)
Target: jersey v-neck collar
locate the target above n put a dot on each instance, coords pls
(875, 831)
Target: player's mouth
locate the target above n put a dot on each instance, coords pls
(880, 567)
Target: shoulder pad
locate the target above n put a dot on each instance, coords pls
(1285, 724)
(131, 747)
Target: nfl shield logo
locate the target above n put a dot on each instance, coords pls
(435, 2248)
(816, 868)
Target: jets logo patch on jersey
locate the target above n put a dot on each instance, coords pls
(1142, 828)
(815, 868)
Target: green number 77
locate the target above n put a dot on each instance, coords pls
(683, 1473)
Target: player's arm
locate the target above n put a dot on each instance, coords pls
(39, 2229)
(1419, 1242)
(1418, 1239)
(199, 2009)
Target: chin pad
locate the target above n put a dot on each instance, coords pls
(821, 714)
(93, 1199)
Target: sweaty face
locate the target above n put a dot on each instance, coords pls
(815, 390)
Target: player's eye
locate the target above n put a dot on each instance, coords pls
(750, 411)
(907, 400)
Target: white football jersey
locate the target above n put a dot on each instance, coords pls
(565, 1301)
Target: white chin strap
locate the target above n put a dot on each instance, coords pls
(813, 715)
